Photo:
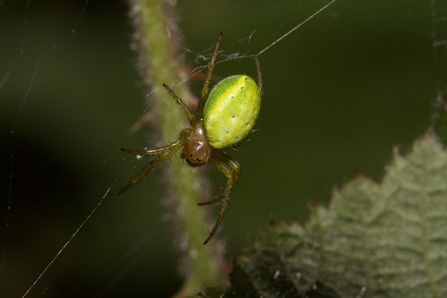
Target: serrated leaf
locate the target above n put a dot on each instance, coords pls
(374, 240)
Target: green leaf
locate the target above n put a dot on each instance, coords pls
(374, 240)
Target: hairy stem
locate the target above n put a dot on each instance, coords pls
(156, 40)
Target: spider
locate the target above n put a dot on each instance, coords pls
(224, 118)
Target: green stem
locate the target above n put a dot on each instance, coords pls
(156, 38)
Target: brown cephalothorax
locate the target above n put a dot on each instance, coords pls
(197, 150)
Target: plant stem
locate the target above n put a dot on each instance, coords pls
(156, 40)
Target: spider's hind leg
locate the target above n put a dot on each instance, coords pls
(231, 169)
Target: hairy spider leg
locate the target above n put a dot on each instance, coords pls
(180, 102)
(231, 169)
(258, 70)
(206, 85)
(165, 153)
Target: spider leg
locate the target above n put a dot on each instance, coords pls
(206, 85)
(180, 102)
(231, 169)
(165, 153)
(258, 70)
(149, 152)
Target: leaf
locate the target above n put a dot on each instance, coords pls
(374, 240)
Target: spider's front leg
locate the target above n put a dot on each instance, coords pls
(231, 169)
(165, 153)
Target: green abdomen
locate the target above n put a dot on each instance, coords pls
(231, 111)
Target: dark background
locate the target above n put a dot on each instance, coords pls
(340, 92)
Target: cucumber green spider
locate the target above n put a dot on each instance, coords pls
(224, 118)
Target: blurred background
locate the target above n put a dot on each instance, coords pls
(340, 93)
